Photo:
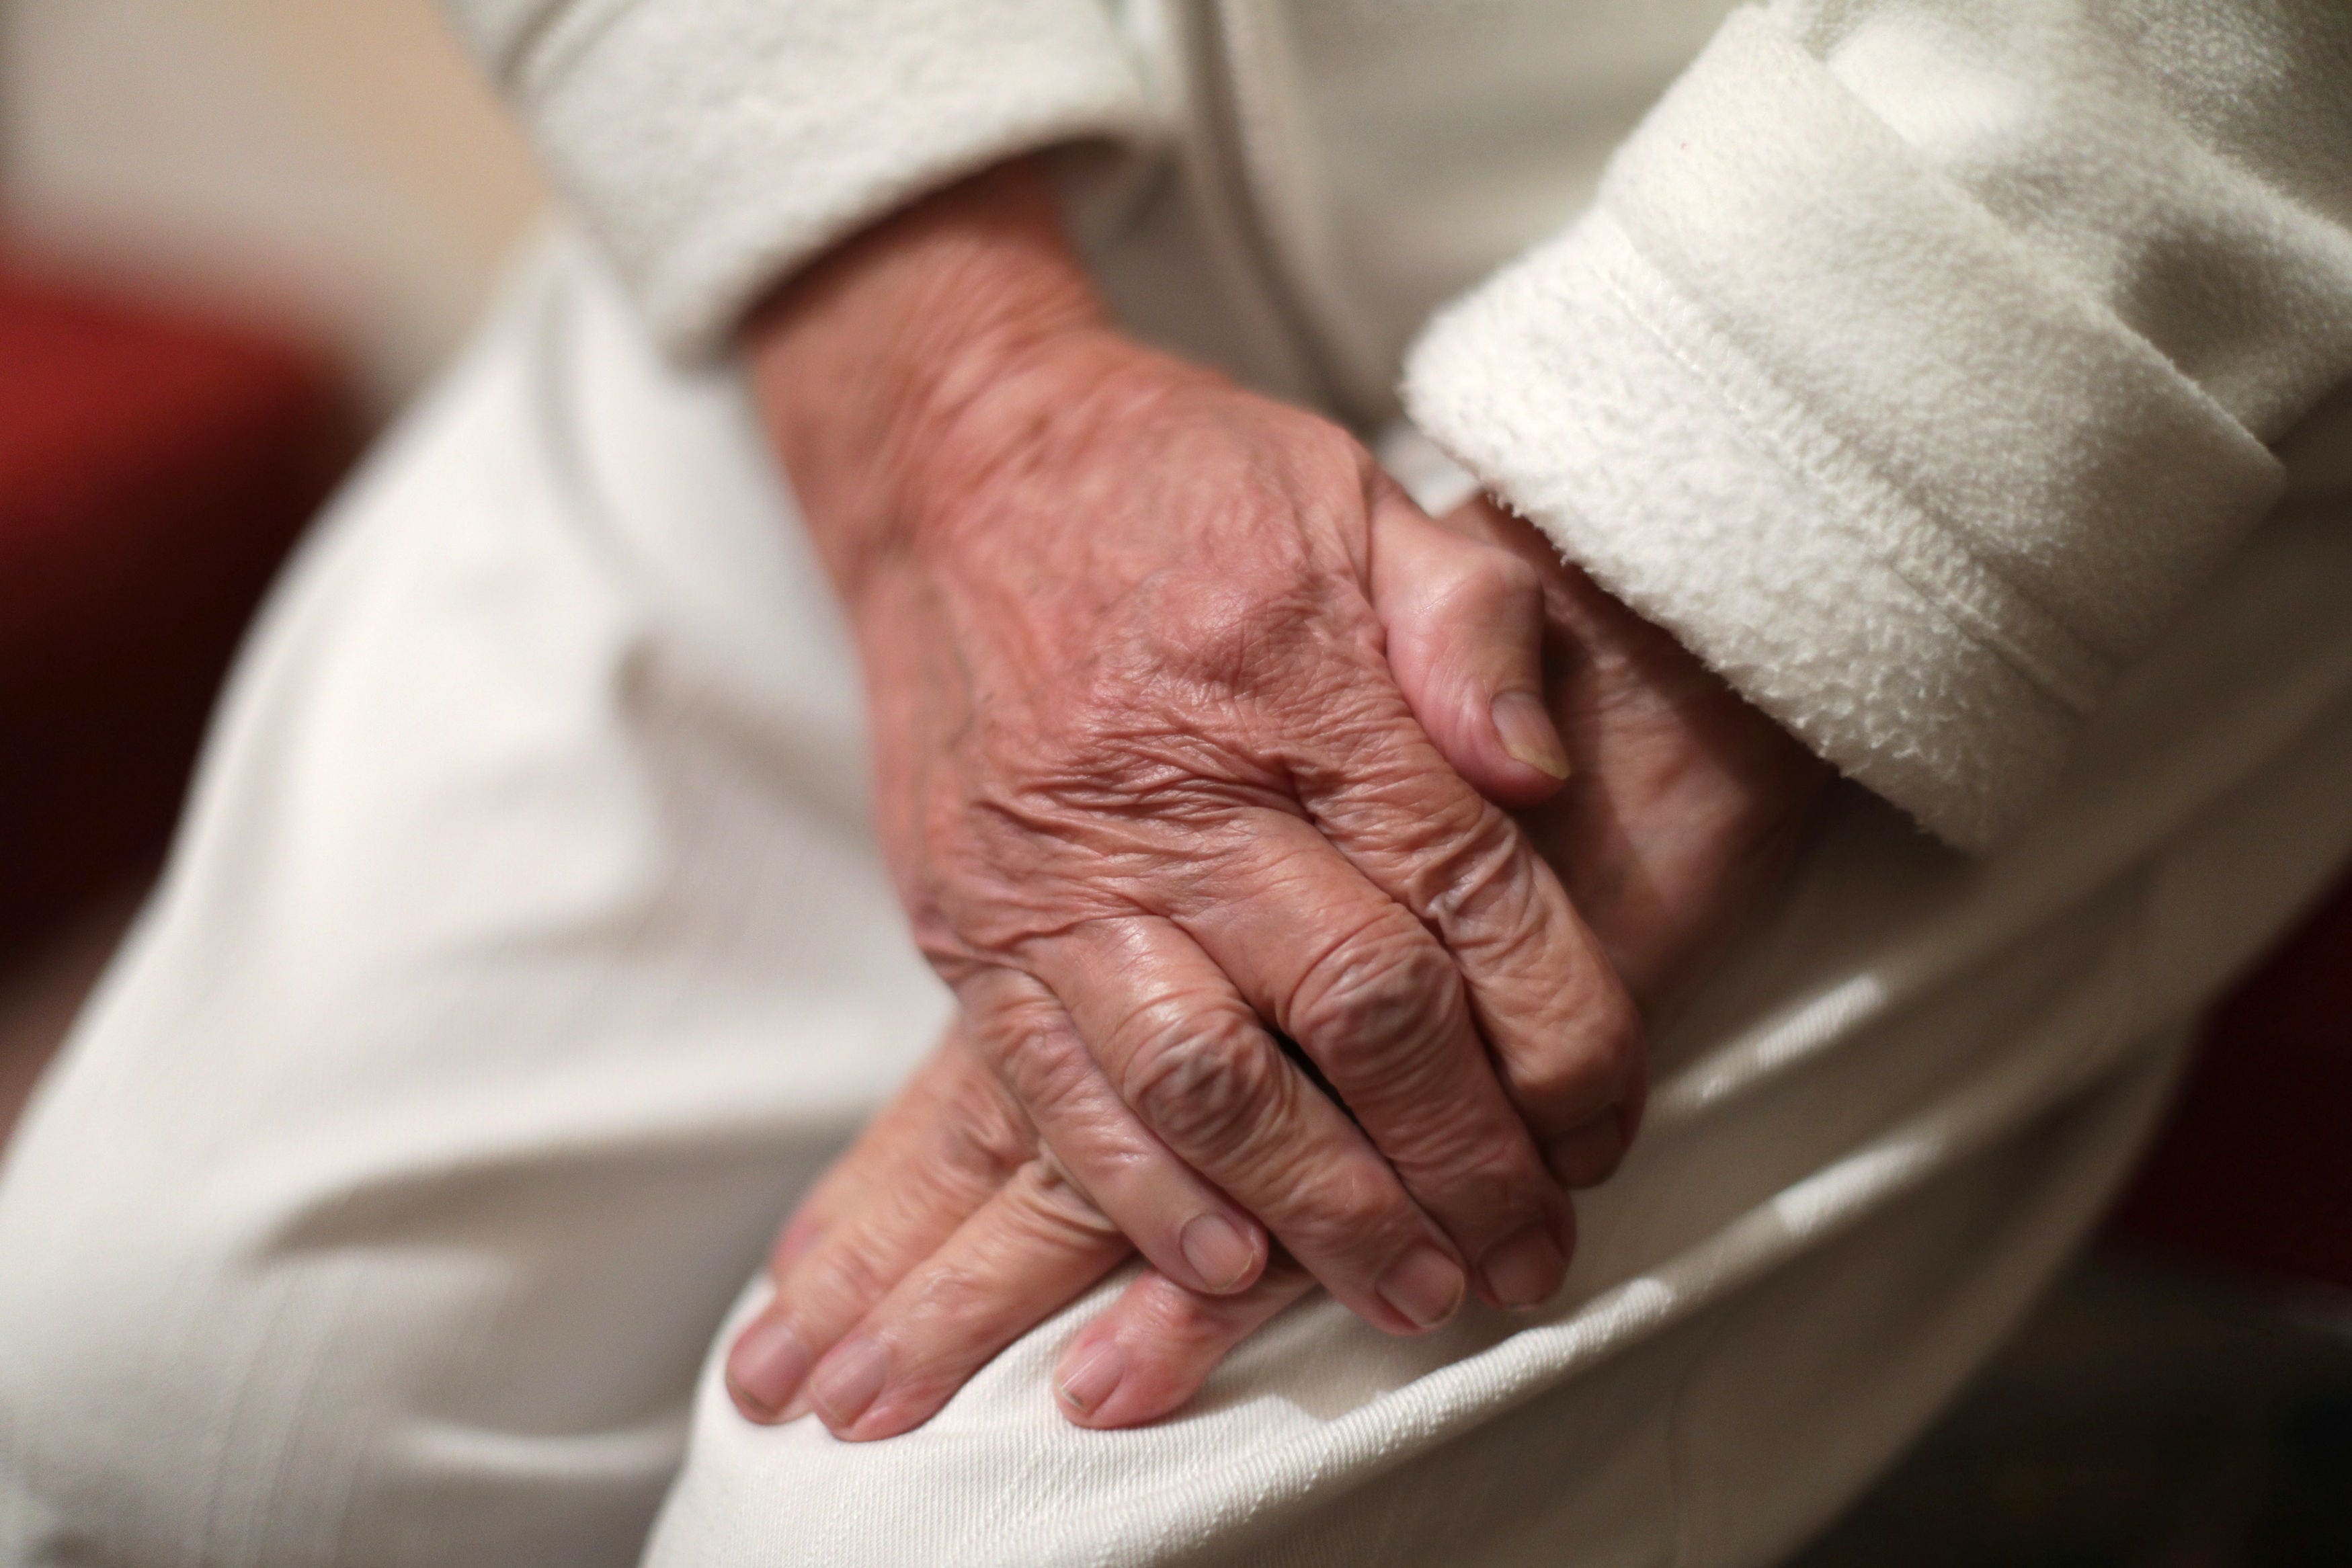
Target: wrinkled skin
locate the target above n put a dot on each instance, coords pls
(944, 1233)
(1187, 723)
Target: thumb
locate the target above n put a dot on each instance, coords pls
(1464, 625)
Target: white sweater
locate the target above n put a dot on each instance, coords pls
(1913, 361)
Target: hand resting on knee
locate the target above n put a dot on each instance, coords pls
(1198, 810)
(1153, 796)
(947, 1232)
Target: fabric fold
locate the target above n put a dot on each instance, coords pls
(1790, 392)
(716, 144)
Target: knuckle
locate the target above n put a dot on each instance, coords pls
(1478, 1187)
(1480, 872)
(1171, 1318)
(1377, 1003)
(842, 1277)
(1488, 582)
(1205, 1081)
(945, 1301)
(1513, 575)
(1483, 1175)
(1354, 1208)
(1468, 594)
(1045, 1065)
(1215, 630)
(980, 1139)
(1047, 1191)
(1598, 1066)
(1611, 1029)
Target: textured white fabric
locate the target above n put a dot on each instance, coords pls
(1917, 363)
(722, 143)
(524, 955)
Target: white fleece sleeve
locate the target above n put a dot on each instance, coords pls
(713, 145)
(1918, 358)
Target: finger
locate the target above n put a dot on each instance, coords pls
(1026, 1253)
(1379, 1007)
(1191, 1056)
(936, 1154)
(1188, 1228)
(874, 1159)
(1464, 622)
(1591, 1155)
(951, 1089)
(1150, 1351)
(1545, 997)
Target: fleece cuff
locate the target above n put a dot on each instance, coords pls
(714, 145)
(1790, 393)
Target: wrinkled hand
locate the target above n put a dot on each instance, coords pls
(1151, 793)
(946, 1233)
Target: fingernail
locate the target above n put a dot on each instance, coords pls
(1525, 727)
(1090, 1379)
(1524, 1269)
(848, 1381)
(1220, 1254)
(768, 1364)
(1424, 1285)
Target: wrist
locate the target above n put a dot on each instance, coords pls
(867, 366)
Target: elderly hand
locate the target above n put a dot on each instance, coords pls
(1151, 793)
(946, 1233)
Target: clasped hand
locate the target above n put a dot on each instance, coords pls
(1196, 745)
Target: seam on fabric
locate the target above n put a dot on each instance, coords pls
(553, 46)
(1952, 578)
(1230, 124)
(336, 1293)
(1271, 156)
(1678, 1546)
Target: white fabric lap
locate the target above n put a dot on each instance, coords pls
(524, 955)
(1640, 1429)
(1903, 1097)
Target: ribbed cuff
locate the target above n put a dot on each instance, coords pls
(714, 145)
(1789, 393)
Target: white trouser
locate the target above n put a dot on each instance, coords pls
(524, 955)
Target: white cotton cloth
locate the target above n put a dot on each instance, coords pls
(1914, 362)
(524, 955)
(1962, 380)
(1918, 436)
(722, 143)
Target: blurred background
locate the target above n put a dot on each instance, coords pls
(335, 167)
(234, 236)
(237, 235)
